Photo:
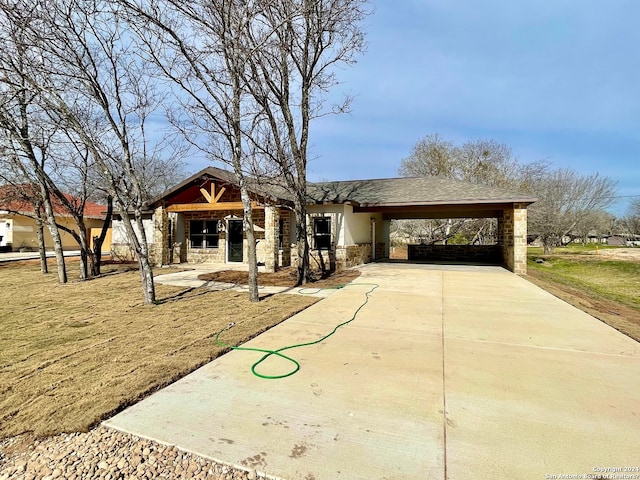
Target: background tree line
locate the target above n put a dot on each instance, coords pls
(570, 204)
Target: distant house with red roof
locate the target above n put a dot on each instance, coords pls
(18, 228)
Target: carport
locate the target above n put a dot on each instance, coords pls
(434, 198)
(510, 250)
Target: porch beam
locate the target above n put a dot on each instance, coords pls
(208, 207)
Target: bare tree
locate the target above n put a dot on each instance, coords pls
(565, 199)
(297, 45)
(484, 162)
(201, 48)
(598, 223)
(634, 208)
(69, 182)
(430, 156)
(21, 117)
(630, 223)
(95, 85)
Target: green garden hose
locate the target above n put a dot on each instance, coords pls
(278, 352)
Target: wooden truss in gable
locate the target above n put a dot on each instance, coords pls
(212, 203)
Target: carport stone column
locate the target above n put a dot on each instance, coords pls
(512, 230)
(271, 231)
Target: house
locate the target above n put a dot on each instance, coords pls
(628, 240)
(200, 221)
(18, 228)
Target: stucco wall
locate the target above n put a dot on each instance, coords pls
(120, 246)
(22, 232)
(358, 226)
(351, 236)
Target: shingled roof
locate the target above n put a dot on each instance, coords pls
(409, 191)
(387, 192)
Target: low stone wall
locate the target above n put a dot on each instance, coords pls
(456, 253)
(352, 255)
(346, 257)
(123, 252)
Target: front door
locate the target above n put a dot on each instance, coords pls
(234, 241)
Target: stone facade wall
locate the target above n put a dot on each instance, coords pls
(520, 239)
(352, 255)
(286, 247)
(455, 253)
(342, 258)
(512, 232)
(268, 248)
(271, 238)
(122, 252)
(322, 258)
(219, 255)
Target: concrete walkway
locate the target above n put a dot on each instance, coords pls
(447, 373)
(17, 256)
(189, 279)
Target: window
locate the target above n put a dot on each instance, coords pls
(280, 234)
(203, 233)
(322, 233)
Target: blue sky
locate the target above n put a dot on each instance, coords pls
(553, 79)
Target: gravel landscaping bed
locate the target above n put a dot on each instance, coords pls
(105, 453)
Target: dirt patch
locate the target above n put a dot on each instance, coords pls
(285, 277)
(614, 314)
(629, 254)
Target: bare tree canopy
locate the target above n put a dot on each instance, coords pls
(200, 48)
(568, 201)
(298, 45)
(25, 132)
(95, 95)
(634, 208)
(485, 162)
(250, 77)
(566, 198)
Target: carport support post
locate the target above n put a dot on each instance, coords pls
(512, 230)
(271, 231)
(386, 236)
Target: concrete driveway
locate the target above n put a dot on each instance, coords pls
(447, 373)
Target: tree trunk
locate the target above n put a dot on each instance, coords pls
(254, 295)
(96, 256)
(146, 271)
(146, 275)
(300, 208)
(252, 259)
(57, 247)
(44, 268)
(84, 250)
(141, 250)
(57, 240)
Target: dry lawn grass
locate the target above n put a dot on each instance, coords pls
(72, 355)
(605, 286)
(285, 277)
